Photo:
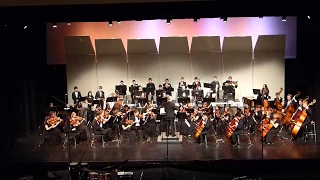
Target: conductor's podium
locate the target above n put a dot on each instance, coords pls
(169, 139)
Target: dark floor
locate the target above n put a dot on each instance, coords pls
(27, 150)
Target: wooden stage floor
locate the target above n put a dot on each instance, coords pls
(27, 150)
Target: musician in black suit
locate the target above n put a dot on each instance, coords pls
(132, 87)
(99, 130)
(256, 118)
(150, 88)
(207, 125)
(123, 90)
(275, 121)
(182, 84)
(230, 85)
(167, 87)
(215, 85)
(239, 129)
(99, 93)
(288, 101)
(170, 107)
(76, 95)
(196, 84)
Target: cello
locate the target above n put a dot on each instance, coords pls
(232, 126)
(288, 112)
(298, 123)
(278, 103)
(270, 125)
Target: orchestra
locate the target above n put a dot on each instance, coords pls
(140, 122)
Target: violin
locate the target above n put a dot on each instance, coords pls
(129, 122)
(53, 120)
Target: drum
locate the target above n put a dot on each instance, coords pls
(84, 170)
(93, 176)
(74, 171)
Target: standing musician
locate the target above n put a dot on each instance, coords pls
(50, 124)
(99, 94)
(230, 85)
(239, 125)
(215, 86)
(170, 107)
(76, 95)
(89, 101)
(99, 128)
(123, 90)
(275, 121)
(205, 131)
(264, 92)
(128, 130)
(132, 90)
(196, 84)
(182, 84)
(150, 88)
(181, 125)
(167, 87)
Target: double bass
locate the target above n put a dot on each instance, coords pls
(200, 127)
(232, 127)
(288, 112)
(278, 104)
(299, 121)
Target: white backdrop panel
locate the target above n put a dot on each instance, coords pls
(206, 65)
(174, 66)
(141, 67)
(81, 72)
(269, 68)
(111, 69)
(239, 66)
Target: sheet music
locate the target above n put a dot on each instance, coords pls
(111, 104)
(162, 111)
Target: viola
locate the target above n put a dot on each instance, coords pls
(129, 122)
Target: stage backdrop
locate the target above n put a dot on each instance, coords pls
(175, 59)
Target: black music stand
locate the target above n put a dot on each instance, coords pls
(182, 115)
(256, 91)
(138, 93)
(209, 100)
(161, 100)
(183, 100)
(98, 102)
(207, 85)
(121, 89)
(190, 86)
(159, 93)
(82, 98)
(190, 111)
(180, 93)
(134, 88)
(143, 100)
(111, 99)
(145, 89)
(197, 93)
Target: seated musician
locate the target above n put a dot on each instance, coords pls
(127, 125)
(239, 129)
(98, 127)
(256, 118)
(277, 98)
(181, 125)
(138, 126)
(78, 126)
(150, 125)
(300, 104)
(275, 121)
(308, 110)
(167, 87)
(207, 125)
(50, 124)
(288, 101)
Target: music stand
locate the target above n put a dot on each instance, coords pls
(256, 91)
(138, 93)
(190, 111)
(143, 100)
(183, 100)
(207, 85)
(121, 89)
(82, 98)
(197, 93)
(182, 115)
(209, 100)
(180, 92)
(190, 86)
(111, 99)
(133, 88)
(159, 93)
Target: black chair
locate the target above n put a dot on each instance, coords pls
(43, 136)
(93, 135)
(69, 136)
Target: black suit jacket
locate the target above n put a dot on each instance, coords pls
(150, 88)
(170, 107)
(98, 95)
(74, 96)
(215, 84)
(207, 126)
(184, 83)
(167, 90)
(96, 125)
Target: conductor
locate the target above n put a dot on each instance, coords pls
(170, 107)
